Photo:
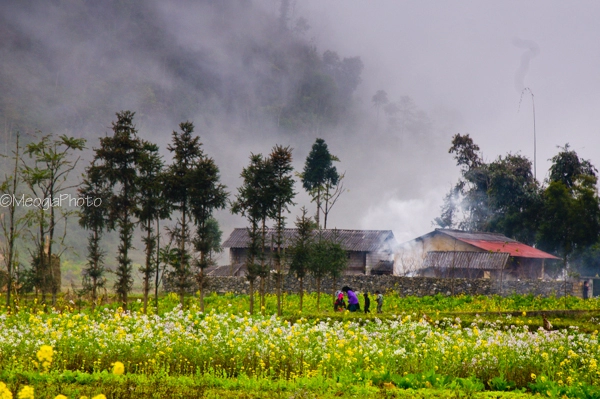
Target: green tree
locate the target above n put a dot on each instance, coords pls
(327, 257)
(571, 207)
(179, 183)
(212, 236)
(570, 217)
(117, 162)
(501, 196)
(282, 188)
(471, 190)
(47, 178)
(319, 173)
(338, 260)
(151, 208)
(207, 195)
(514, 198)
(567, 167)
(93, 217)
(300, 250)
(255, 201)
(318, 266)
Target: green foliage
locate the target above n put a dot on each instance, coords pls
(499, 383)
(51, 164)
(12, 222)
(300, 250)
(192, 186)
(208, 195)
(93, 216)
(571, 219)
(152, 207)
(116, 163)
(319, 176)
(502, 196)
(283, 196)
(568, 168)
(255, 201)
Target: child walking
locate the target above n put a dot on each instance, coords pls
(367, 302)
(379, 301)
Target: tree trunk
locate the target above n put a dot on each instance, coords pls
(318, 293)
(55, 286)
(262, 295)
(318, 206)
(11, 227)
(278, 265)
(279, 309)
(148, 266)
(262, 266)
(42, 266)
(95, 267)
(182, 257)
(157, 264)
(94, 293)
(201, 288)
(251, 292)
(301, 291)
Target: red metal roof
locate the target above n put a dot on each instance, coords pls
(514, 248)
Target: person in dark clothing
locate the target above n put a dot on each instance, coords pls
(367, 302)
(586, 290)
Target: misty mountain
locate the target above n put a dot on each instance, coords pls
(248, 73)
(71, 64)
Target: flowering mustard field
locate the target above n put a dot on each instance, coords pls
(405, 350)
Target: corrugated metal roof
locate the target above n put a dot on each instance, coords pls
(466, 260)
(495, 242)
(473, 235)
(513, 248)
(350, 240)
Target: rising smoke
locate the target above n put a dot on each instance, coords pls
(531, 50)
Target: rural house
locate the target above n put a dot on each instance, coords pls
(369, 251)
(462, 254)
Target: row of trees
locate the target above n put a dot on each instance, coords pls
(128, 185)
(266, 194)
(137, 188)
(561, 215)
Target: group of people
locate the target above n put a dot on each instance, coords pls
(353, 303)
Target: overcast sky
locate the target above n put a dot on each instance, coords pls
(470, 60)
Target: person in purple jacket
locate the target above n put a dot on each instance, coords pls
(353, 305)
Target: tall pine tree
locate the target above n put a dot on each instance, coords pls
(117, 162)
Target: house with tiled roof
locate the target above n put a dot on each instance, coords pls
(369, 251)
(463, 254)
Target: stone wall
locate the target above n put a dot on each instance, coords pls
(405, 286)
